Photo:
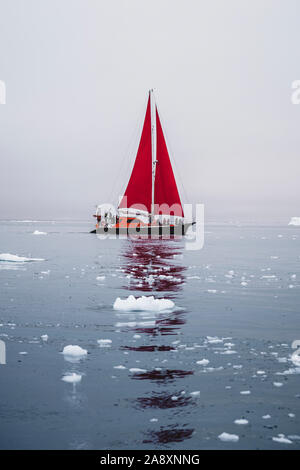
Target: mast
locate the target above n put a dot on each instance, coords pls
(153, 147)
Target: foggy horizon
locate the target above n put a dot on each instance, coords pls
(77, 76)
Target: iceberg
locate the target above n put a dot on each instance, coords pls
(104, 343)
(17, 259)
(74, 351)
(37, 232)
(225, 437)
(143, 304)
(295, 221)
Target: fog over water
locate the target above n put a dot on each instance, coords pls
(77, 75)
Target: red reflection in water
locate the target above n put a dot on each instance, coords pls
(165, 375)
(163, 401)
(166, 435)
(148, 348)
(151, 267)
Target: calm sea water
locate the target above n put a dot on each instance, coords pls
(237, 306)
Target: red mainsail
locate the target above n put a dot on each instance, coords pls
(139, 188)
(165, 188)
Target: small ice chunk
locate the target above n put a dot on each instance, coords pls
(45, 337)
(74, 351)
(137, 336)
(23, 353)
(174, 398)
(260, 372)
(195, 394)
(100, 278)
(72, 378)
(294, 221)
(291, 415)
(153, 420)
(212, 291)
(266, 417)
(245, 392)
(17, 259)
(282, 439)
(241, 421)
(120, 367)
(203, 362)
(104, 343)
(143, 304)
(226, 437)
(277, 384)
(137, 370)
(37, 232)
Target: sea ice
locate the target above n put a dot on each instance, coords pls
(195, 394)
(74, 351)
(72, 378)
(295, 221)
(245, 392)
(225, 437)
(241, 421)
(120, 367)
(143, 304)
(45, 337)
(266, 417)
(100, 278)
(277, 384)
(104, 343)
(37, 232)
(16, 258)
(137, 370)
(282, 439)
(203, 362)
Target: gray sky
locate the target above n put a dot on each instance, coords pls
(77, 74)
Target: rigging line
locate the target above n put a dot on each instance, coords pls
(173, 155)
(126, 158)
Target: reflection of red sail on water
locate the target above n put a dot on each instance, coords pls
(150, 267)
(155, 267)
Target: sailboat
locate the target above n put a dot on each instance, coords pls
(151, 203)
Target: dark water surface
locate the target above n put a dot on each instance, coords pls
(237, 306)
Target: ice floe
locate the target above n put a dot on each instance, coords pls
(136, 370)
(241, 421)
(74, 352)
(282, 439)
(203, 362)
(104, 343)
(17, 259)
(143, 304)
(295, 221)
(226, 437)
(45, 337)
(277, 384)
(37, 232)
(72, 378)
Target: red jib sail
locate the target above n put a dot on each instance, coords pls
(139, 188)
(165, 188)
